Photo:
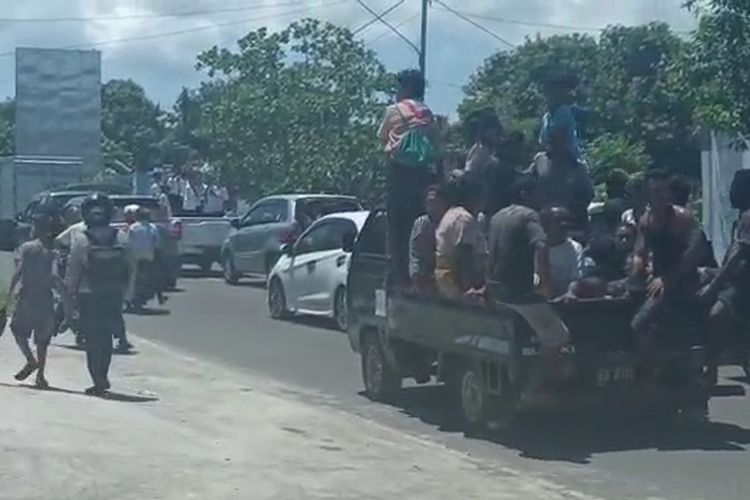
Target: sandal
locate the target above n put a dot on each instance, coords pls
(26, 371)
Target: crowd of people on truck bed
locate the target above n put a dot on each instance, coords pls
(490, 231)
(189, 191)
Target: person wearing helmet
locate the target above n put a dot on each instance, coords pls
(98, 273)
(34, 312)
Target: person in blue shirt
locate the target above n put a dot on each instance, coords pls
(562, 111)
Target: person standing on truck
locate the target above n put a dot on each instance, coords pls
(671, 237)
(215, 198)
(563, 179)
(35, 311)
(460, 245)
(682, 190)
(483, 164)
(565, 254)
(729, 292)
(422, 245)
(408, 134)
(518, 247)
(98, 277)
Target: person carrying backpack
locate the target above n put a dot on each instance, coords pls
(98, 274)
(408, 135)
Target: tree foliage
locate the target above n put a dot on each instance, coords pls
(716, 69)
(608, 152)
(295, 110)
(626, 83)
(132, 125)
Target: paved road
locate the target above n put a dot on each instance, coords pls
(615, 460)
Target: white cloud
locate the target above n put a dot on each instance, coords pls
(144, 44)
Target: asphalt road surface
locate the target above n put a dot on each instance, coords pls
(604, 458)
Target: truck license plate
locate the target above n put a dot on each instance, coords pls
(617, 375)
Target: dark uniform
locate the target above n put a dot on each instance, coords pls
(98, 275)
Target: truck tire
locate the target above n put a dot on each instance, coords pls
(382, 381)
(205, 263)
(468, 395)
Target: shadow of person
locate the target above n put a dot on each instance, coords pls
(148, 311)
(575, 436)
(128, 398)
(109, 395)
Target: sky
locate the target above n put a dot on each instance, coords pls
(155, 42)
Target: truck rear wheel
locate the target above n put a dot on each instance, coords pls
(382, 381)
(468, 396)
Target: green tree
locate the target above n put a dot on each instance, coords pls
(716, 69)
(627, 84)
(132, 124)
(608, 152)
(295, 110)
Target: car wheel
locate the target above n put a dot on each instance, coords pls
(341, 309)
(231, 276)
(205, 264)
(468, 396)
(277, 300)
(382, 382)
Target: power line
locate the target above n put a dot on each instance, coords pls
(534, 24)
(126, 17)
(376, 19)
(400, 24)
(183, 31)
(393, 28)
(475, 24)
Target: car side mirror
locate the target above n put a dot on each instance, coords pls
(287, 249)
(235, 223)
(347, 245)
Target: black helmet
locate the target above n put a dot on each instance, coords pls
(98, 218)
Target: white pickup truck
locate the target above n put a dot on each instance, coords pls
(202, 237)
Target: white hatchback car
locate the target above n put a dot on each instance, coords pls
(310, 275)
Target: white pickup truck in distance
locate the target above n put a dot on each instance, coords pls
(202, 237)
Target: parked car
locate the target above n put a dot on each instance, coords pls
(24, 221)
(310, 275)
(254, 244)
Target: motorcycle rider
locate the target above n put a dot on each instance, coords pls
(98, 272)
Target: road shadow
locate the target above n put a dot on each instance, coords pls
(576, 438)
(109, 396)
(149, 311)
(320, 322)
(198, 274)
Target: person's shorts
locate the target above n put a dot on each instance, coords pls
(737, 300)
(34, 318)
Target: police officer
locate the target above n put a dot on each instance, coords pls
(98, 271)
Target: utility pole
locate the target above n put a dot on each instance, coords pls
(423, 40)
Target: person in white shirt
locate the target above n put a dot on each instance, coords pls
(215, 199)
(156, 186)
(143, 241)
(566, 258)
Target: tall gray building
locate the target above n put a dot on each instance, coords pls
(58, 104)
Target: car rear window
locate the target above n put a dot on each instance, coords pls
(157, 213)
(308, 210)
